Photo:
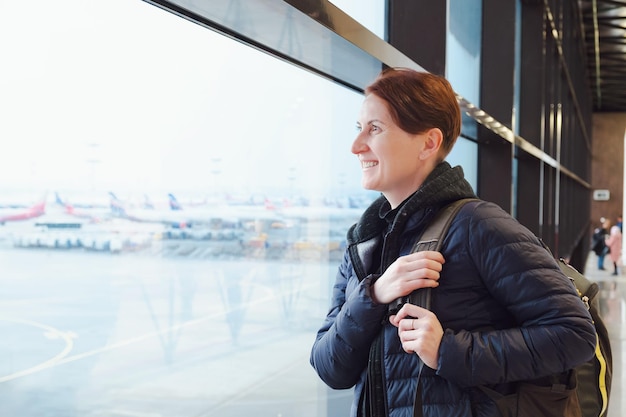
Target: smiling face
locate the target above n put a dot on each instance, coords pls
(393, 161)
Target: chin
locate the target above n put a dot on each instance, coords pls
(368, 187)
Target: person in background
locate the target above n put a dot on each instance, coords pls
(502, 310)
(614, 245)
(598, 241)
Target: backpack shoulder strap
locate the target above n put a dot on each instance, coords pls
(432, 239)
(433, 236)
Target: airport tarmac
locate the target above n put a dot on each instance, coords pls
(127, 335)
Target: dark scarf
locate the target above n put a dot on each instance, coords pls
(442, 186)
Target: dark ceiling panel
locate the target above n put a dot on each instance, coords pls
(604, 26)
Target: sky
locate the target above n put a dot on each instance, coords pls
(121, 96)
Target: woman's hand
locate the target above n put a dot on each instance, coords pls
(406, 274)
(420, 332)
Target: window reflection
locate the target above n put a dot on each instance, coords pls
(196, 196)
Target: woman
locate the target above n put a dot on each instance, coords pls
(614, 243)
(502, 311)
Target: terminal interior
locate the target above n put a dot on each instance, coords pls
(179, 183)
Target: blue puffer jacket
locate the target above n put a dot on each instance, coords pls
(508, 312)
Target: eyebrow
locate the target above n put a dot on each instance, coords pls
(372, 121)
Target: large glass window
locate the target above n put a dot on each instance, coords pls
(463, 47)
(463, 72)
(174, 206)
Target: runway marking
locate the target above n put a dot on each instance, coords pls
(62, 359)
(69, 343)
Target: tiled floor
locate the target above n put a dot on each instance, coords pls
(613, 309)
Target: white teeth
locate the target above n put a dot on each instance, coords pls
(368, 164)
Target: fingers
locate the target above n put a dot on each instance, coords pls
(403, 320)
(408, 324)
(426, 260)
(428, 255)
(416, 266)
(421, 265)
(411, 311)
(406, 274)
(420, 333)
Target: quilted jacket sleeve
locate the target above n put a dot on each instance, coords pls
(554, 331)
(341, 349)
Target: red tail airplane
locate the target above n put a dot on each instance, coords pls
(14, 215)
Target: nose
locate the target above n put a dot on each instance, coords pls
(358, 145)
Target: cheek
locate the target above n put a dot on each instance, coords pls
(405, 159)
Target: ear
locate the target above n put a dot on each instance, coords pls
(432, 143)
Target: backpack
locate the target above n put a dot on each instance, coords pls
(592, 378)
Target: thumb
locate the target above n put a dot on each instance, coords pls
(410, 311)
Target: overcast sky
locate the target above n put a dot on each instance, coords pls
(119, 95)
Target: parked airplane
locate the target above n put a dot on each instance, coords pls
(94, 214)
(176, 205)
(181, 217)
(20, 214)
(312, 213)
